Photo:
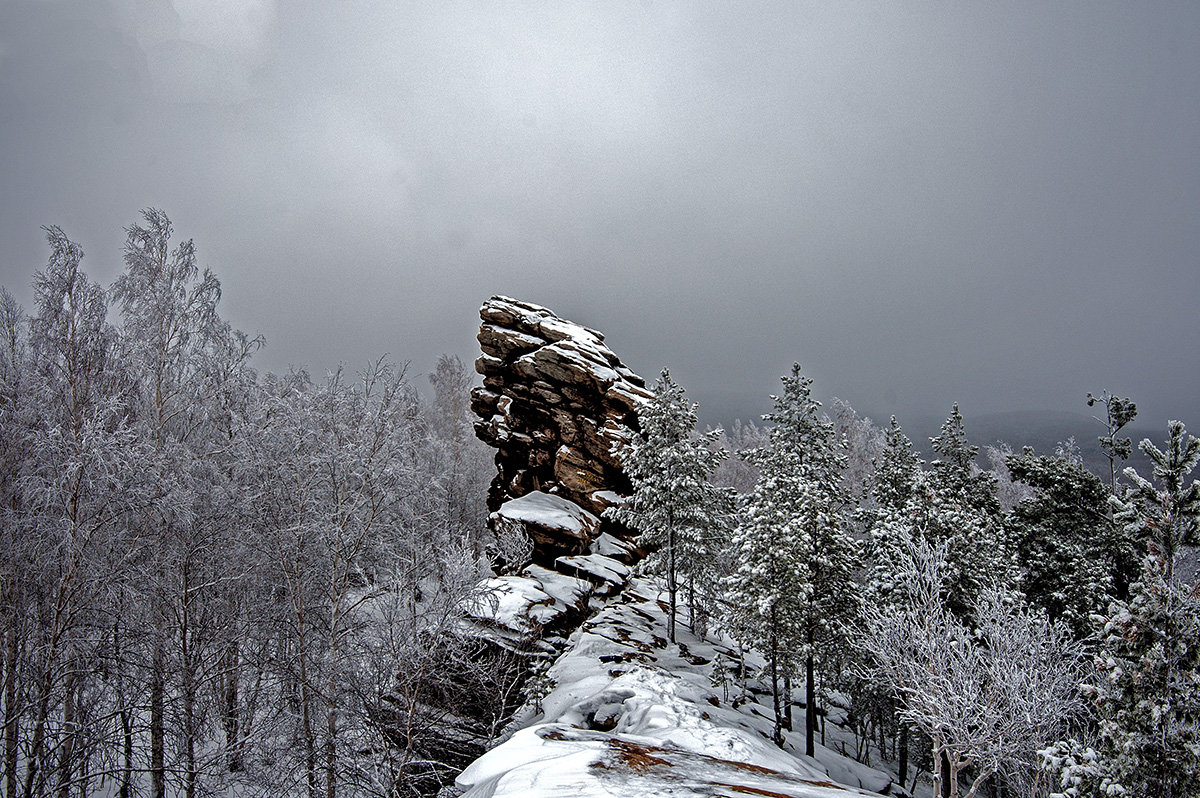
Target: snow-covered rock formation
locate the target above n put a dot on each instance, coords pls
(553, 401)
(627, 714)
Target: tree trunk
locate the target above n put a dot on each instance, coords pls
(158, 771)
(310, 742)
(331, 754)
(186, 639)
(903, 753)
(787, 699)
(127, 742)
(691, 585)
(66, 760)
(10, 707)
(39, 736)
(230, 709)
(742, 668)
(810, 701)
(671, 583)
(777, 733)
(124, 713)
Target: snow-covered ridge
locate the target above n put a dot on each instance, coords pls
(630, 715)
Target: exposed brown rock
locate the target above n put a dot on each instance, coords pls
(553, 403)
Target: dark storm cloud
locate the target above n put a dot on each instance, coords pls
(991, 204)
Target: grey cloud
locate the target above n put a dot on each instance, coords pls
(922, 204)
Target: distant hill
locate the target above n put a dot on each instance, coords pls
(1042, 431)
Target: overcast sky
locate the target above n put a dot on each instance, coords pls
(991, 203)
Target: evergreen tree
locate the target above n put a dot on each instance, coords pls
(1067, 549)
(896, 469)
(797, 562)
(1148, 696)
(674, 506)
(770, 580)
(1118, 412)
(889, 525)
(954, 473)
(955, 505)
(889, 536)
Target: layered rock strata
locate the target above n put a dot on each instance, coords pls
(554, 402)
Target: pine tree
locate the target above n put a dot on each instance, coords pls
(674, 506)
(889, 525)
(954, 472)
(1150, 659)
(796, 560)
(1118, 412)
(956, 506)
(1147, 698)
(896, 469)
(1066, 546)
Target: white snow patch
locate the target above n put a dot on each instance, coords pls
(630, 715)
(550, 512)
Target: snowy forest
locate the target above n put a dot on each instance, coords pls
(221, 582)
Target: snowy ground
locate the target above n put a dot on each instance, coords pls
(629, 715)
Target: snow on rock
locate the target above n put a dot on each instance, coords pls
(528, 603)
(551, 522)
(605, 573)
(630, 715)
(553, 401)
(617, 548)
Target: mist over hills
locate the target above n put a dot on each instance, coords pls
(1044, 431)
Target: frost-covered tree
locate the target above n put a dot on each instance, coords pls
(1118, 412)
(862, 443)
(464, 461)
(1148, 699)
(674, 506)
(952, 507)
(736, 471)
(14, 549)
(183, 356)
(1010, 490)
(1067, 549)
(79, 476)
(796, 561)
(151, 636)
(347, 496)
(988, 695)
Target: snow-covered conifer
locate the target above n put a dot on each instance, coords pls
(957, 507)
(1148, 698)
(895, 470)
(674, 506)
(796, 562)
(1118, 412)
(1066, 546)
